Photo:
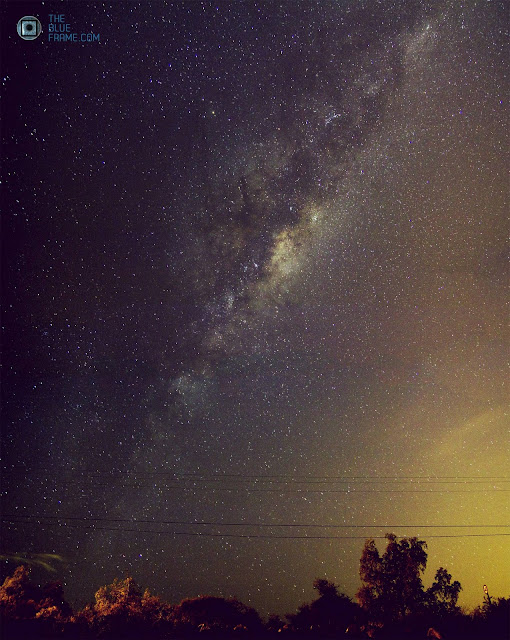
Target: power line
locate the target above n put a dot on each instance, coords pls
(8, 517)
(350, 489)
(283, 490)
(250, 536)
(282, 484)
(289, 482)
(261, 477)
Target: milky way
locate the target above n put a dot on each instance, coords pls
(257, 277)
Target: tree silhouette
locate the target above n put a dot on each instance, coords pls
(493, 618)
(216, 614)
(121, 594)
(325, 588)
(274, 624)
(442, 596)
(120, 610)
(19, 598)
(26, 609)
(332, 612)
(392, 586)
(392, 595)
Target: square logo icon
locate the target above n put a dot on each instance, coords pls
(29, 28)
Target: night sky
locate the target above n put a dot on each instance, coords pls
(254, 275)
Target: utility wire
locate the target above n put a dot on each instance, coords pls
(260, 477)
(9, 517)
(271, 483)
(283, 482)
(250, 536)
(283, 490)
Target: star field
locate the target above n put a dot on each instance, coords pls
(254, 272)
